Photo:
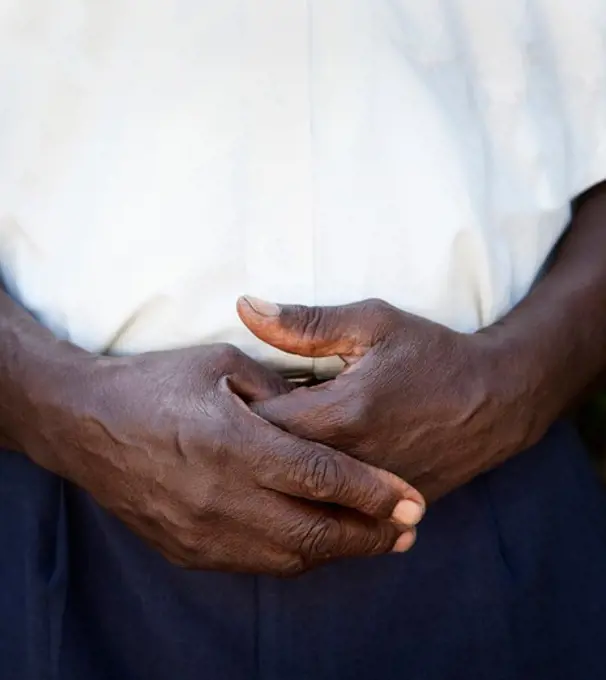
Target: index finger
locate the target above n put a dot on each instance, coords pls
(314, 413)
(316, 472)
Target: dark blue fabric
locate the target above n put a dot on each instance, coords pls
(508, 581)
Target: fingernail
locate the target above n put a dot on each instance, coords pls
(405, 542)
(262, 307)
(407, 513)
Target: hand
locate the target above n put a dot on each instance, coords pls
(167, 442)
(416, 398)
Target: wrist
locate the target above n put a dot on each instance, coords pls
(525, 379)
(41, 386)
(552, 345)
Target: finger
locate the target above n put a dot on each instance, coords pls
(348, 330)
(315, 472)
(251, 380)
(405, 541)
(323, 533)
(317, 413)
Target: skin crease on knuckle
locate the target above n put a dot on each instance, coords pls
(319, 538)
(320, 475)
(311, 322)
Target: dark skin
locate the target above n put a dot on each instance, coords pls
(167, 442)
(436, 406)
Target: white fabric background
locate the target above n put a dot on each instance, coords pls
(158, 159)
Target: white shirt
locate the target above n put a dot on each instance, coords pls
(160, 158)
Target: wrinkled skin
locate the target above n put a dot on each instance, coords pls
(425, 402)
(167, 443)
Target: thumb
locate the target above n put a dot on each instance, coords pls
(346, 331)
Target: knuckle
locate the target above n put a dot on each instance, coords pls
(227, 356)
(190, 543)
(376, 539)
(177, 560)
(209, 502)
(311, 322)
(377, 305)
(320, 539)
(292, 567)
(320, 475)
(383, 314)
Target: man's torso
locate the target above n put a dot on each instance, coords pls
(159, 159)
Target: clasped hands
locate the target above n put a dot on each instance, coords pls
(415, 398)
(219, 464)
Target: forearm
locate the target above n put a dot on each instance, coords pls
(33, 365)
(555, 339)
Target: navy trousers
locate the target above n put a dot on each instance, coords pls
(507, 581)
